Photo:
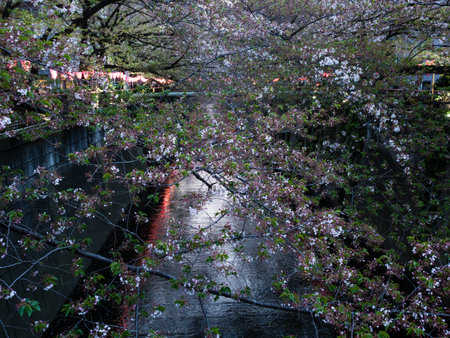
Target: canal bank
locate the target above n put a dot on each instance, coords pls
(28, 278)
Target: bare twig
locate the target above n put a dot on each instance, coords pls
(314, 323)
(204, 312)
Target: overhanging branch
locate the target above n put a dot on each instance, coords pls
(167, 276)
(162, 274)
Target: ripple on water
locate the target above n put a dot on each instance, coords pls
(232, 318)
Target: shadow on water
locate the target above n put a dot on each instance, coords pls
(107, 312)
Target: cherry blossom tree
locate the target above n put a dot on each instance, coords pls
(317, 135)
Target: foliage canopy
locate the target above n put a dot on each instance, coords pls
(306, 116)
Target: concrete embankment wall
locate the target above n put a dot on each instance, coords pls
(51, 153)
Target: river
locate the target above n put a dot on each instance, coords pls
(233, 319)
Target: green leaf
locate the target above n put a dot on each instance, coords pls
(215, 330)
(28, 307)
(67, 309)
(225, 290)
(115, 268)
(153, 197)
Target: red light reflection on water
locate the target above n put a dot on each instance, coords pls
(159, 220)
(157, 227)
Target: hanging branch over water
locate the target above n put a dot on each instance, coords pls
(140, 269)
(313, 135)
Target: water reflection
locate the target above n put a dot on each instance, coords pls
(161, 217)
(232, 318)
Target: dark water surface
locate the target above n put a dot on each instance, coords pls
(233, 319)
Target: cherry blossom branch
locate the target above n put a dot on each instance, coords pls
(204, 312)
(34, 264)
(159, 273)
(4, 328)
